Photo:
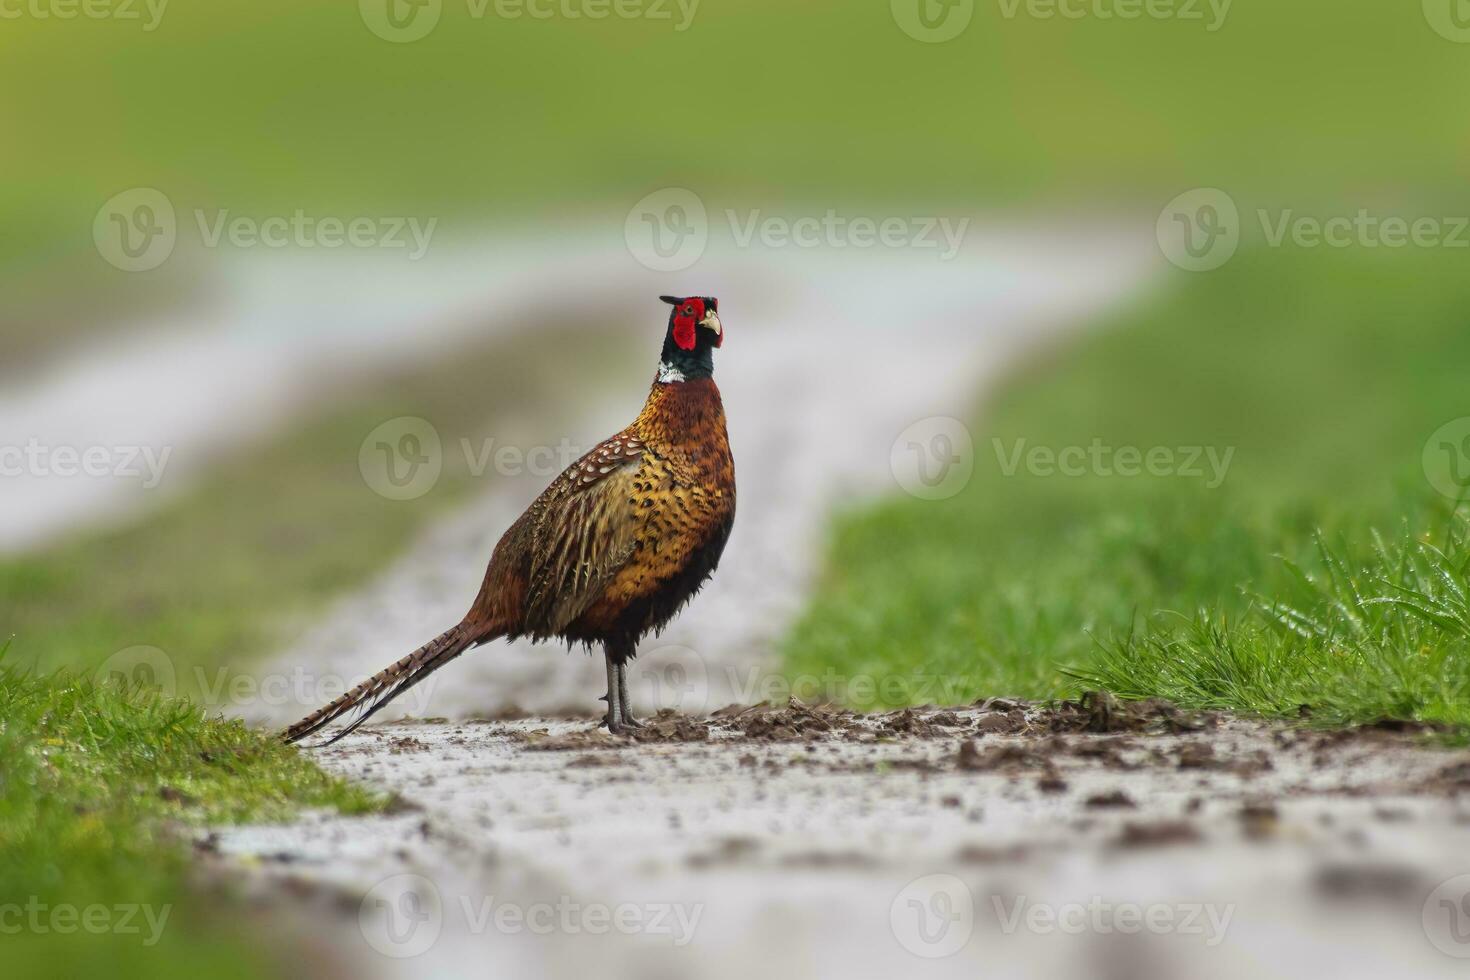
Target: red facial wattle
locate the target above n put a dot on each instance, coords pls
(684, 323)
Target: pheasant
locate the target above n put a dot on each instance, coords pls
(613, 548)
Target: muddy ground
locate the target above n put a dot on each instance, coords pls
(1085, 839)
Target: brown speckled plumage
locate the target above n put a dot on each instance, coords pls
(626, 535)
(611, 550)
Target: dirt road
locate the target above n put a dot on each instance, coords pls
(1000, 840)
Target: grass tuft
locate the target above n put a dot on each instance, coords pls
(1362, 637)
(99, 782)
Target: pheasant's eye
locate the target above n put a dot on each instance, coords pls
(688, 311)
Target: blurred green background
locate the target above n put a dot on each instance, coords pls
(268, 106)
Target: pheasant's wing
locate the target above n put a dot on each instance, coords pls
(583, 534)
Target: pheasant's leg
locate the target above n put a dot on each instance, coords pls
(614, 719)
(625, 703)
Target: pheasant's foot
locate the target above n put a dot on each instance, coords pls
(625, 703)
(615, 711)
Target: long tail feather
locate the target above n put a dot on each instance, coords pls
(375, 692)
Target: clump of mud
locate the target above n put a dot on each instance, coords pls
(1159, 833)
(1010, 757)
(1099, 712)
(670, 726)
(1451, 780)
(541, 740)
(1113, 799)
(794, 721)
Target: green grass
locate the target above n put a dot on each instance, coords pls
(1383, 635)
(1326, 371)
(271, 105)
(100, 784)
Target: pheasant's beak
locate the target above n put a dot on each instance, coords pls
(712, 321)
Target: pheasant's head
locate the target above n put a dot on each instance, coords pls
(694, 330)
